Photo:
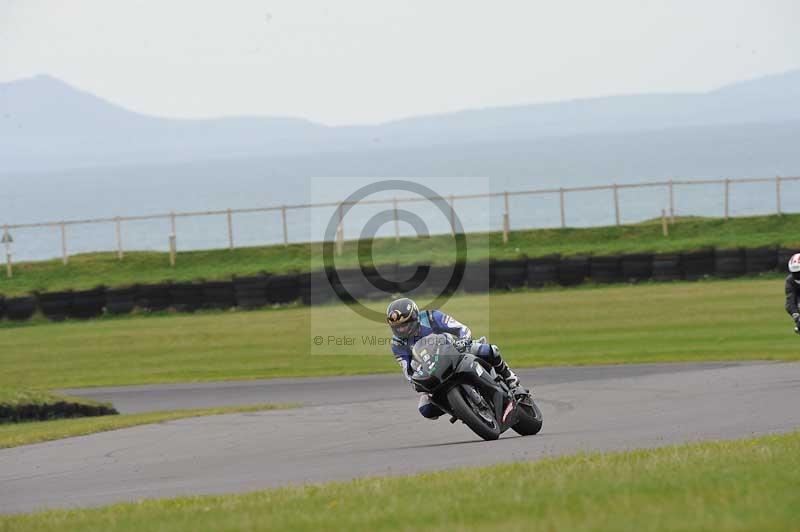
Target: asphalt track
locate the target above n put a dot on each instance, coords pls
(366, 426)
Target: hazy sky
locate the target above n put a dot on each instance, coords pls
(355, 61)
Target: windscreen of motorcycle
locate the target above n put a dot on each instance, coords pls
(426, 350)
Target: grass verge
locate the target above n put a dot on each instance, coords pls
(13, 435)
(723, 486)
(89, 270)
(740, 319)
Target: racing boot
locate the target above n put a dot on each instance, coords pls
(502, 368)
(508, 375)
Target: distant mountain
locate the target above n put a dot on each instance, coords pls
(46, 124)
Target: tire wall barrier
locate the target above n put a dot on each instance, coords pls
(729, 263)
(250, 292)
(508, 274)
(543, 271)
(314, 288)
(55, 305)
(88, 303)
(46, 411)
(218, 295)
(154, 297)
(573, 270)
(477, 277)
(667, 267)
(697, 264)
(784, 254)
(283, 288)
(758, 260)
(121, 300)
(606, 269)
(20, 308)
(637, 267)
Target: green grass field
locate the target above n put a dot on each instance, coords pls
(89, 270)
(711, 320)
(721, 486)
(15, 434)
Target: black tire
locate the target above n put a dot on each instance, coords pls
(508, 274)
(88, 303)
(729, 263)
(760, 260)
(605, 269)
(573, 270)
(121, 301)
(637, 267)
(56, 305)
(667, 267)
(697, 264)
(477, 277)
(464, 411)
(530, 419)
(543, 270)
(186, 297)
(218, 295)
(154, 297)
(283, 288)
(250, 292)
(20, 308)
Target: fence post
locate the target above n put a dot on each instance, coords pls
(340, 233)
(664, 224)
(230, 229)
(727, 197)
(506, 219)
(173, 249)
(563, 216)
(671, 202)
(778, 195)
(119, 238)
(396, 221)
(285, 229)
(616, 203)
(7, 241)
(64, 256)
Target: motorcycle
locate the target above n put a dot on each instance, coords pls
(469, 389)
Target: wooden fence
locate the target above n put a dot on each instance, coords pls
(669, 187)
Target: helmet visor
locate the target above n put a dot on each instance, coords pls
(407, 329)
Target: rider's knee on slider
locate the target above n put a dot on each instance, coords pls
(428, 409)
(410, 325)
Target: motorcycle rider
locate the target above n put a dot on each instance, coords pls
(410, 325)
(793, 290)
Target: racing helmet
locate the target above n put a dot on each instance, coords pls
(794, 267)
(402, 315)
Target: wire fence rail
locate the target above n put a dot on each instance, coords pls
(669, 185)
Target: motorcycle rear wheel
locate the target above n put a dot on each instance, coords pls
(529, 419)
(466, 412)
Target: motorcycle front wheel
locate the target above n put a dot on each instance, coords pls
(529, 418)
(478, 417)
